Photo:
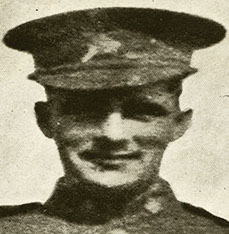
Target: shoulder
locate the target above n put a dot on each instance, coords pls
(203, 214)
(6, 211)
(34, 218)
(180, 217)
(28, 218)
(202, 219)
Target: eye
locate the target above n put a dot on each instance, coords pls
(87, 110)
(71, 108)
(142, 110)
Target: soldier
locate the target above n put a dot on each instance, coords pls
(113, 78)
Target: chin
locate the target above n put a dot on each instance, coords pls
(111, 179)
(113, 184)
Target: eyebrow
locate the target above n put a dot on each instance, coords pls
(146, 102)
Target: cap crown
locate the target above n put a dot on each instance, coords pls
(109, 47)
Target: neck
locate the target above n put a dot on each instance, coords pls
(86, 203)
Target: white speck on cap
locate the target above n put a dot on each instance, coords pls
(93, 50)
(101, 44)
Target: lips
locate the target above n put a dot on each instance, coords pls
(109, 156)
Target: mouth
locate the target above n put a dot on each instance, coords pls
(109, 156)
(110, 161)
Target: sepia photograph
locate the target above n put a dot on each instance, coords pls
(114, 117)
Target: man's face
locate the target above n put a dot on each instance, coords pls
(114, 137)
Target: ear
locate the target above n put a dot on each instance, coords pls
(182, 123)
(42, 112)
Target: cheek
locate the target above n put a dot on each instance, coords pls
(71, 129)
(157, 128)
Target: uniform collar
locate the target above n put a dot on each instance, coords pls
(74, 202)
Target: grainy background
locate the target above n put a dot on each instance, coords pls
(197, 165)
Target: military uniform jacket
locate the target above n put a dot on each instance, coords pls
(70, 210)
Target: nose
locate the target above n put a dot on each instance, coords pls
(113, 127)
